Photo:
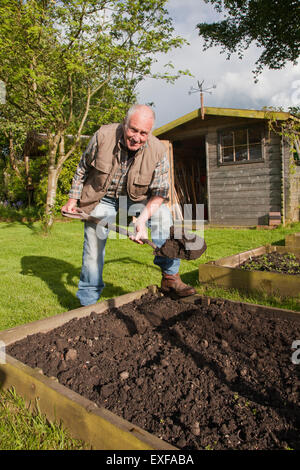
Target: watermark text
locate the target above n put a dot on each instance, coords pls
(296, 354)
(2, 92)
(2, 353)
(159, 219)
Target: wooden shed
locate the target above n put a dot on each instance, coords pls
(229, 160)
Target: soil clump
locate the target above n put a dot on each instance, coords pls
(188, 247)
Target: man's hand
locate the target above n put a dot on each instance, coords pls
(71, 206)
(141, 232)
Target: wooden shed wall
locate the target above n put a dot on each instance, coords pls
(245, 193)
(292, 186)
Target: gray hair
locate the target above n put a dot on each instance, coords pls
(138, 107)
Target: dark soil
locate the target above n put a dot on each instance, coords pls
(205, 376)
(286, 263)
(184, 247)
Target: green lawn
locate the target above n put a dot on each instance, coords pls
(39, 274)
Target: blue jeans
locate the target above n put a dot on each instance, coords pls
(91, 282)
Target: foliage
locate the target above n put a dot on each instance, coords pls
(18, 212)
(39, 177)
(293, 134)
(273, 25)
(56, 53)
(72, 65)
(289, 130)
(279, 263)
(13, 187)
(65, 179)
(12, 170)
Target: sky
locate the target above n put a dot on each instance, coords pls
(234, 80)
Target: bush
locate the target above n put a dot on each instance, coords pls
(18, 212)
(14, 191)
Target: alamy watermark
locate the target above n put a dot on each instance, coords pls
(2, 353)
(2, 92)
(160, 221)
(296, 354)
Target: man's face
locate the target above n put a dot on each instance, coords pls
(137, 131)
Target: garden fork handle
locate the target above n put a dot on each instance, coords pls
(80, 214)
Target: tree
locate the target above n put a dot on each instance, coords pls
(273, 25)
(13, 136)
(63, 60)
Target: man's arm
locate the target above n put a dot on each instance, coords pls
(151, 207)
(159, 190)
(80, 176)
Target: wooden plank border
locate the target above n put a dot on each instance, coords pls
(226, 273)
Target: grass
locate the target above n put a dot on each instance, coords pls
(39, 277)
(22, 429)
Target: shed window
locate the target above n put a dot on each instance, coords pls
(240, 145)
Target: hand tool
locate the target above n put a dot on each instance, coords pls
(188, 248)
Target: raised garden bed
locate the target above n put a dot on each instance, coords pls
(270, 269)
(285, 263)
(292, 242)
(212, 374)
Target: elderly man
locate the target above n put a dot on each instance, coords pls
(124, 162)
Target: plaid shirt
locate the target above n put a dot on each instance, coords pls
(159, 185)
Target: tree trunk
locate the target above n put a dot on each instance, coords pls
(29, 187)
(12, 156)
(53, 174)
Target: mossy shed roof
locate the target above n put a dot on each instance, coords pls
(214, 113)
